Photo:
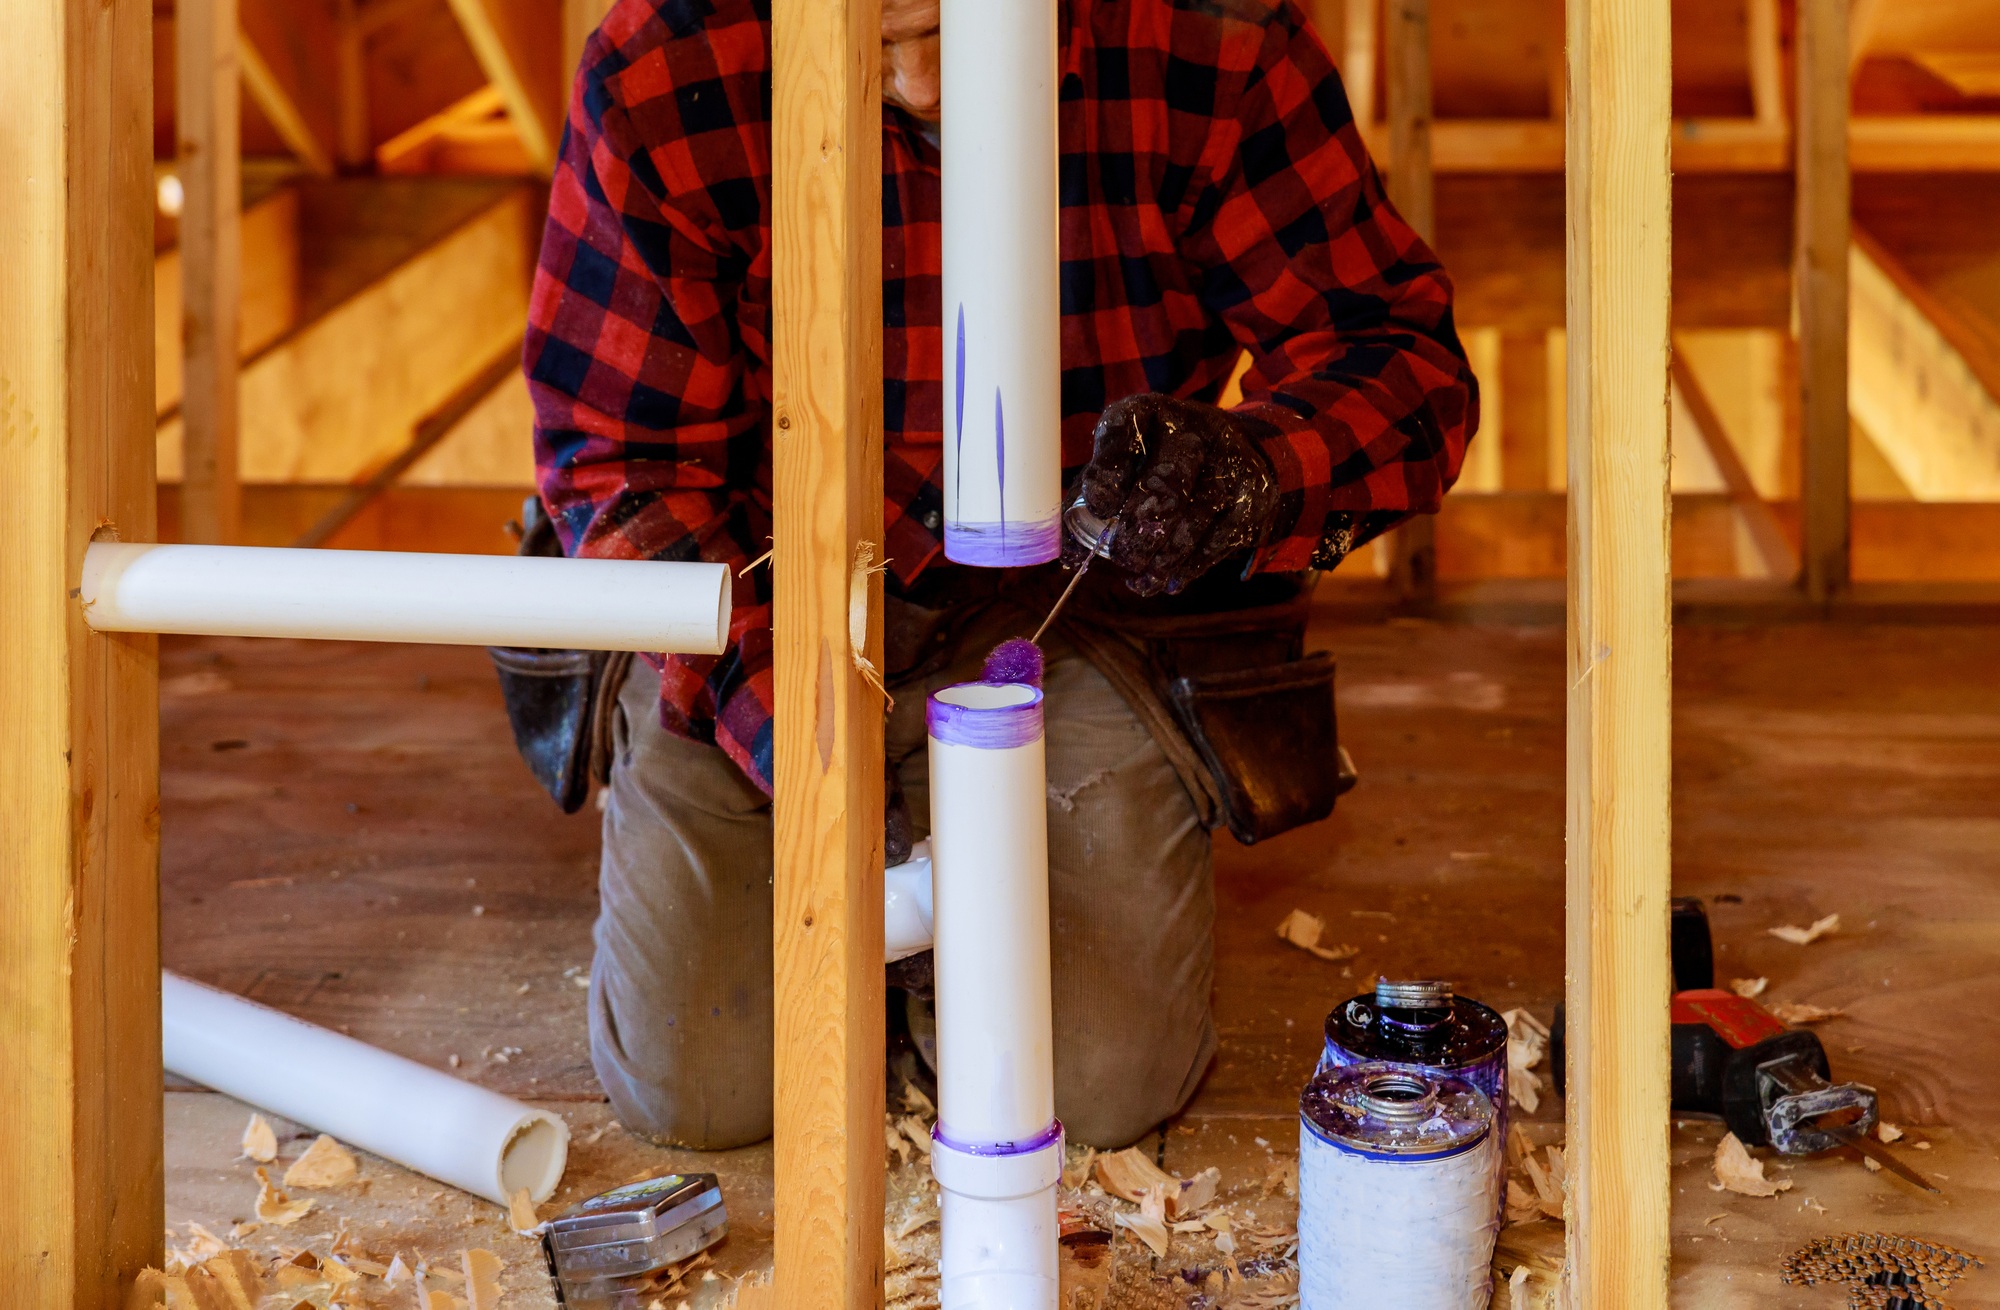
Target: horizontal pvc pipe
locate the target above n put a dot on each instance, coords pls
(373, 595)
(458, 1133)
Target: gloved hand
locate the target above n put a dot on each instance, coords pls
(1186, 482)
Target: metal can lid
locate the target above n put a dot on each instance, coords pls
(1415, 994)
(636, 1211)
(1395, 1111)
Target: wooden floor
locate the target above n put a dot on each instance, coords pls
(348, 835)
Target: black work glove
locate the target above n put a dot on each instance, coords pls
(1187, 483)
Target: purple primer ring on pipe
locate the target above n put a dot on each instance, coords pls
(988, 716)
(1002, 545)
(1026, 1146)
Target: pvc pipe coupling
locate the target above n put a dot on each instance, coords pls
(998, 1221)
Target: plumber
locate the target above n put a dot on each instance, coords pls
(1217, 206)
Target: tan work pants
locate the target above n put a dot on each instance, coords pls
(680, 990)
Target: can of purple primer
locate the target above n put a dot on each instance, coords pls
(1423, 1025)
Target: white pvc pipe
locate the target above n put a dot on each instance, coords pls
(997, 1148)
(906, 905)
(1002, 303)
(372, 595)
(475, 1139)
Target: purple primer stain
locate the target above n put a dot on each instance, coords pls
(1000, 455)
(958, 413)
(1014, 660)
(984, 727)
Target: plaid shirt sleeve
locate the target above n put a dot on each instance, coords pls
(1345, 312)
(649, 416)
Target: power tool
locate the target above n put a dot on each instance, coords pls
(1772, 1085)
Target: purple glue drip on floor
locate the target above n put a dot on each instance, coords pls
(1014, 660)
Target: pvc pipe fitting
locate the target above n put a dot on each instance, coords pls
(906, 905)
(997, 1212)
(376, 595)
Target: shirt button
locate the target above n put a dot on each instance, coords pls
(931, 520)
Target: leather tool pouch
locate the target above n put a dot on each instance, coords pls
(1257, 710)
(560, 702)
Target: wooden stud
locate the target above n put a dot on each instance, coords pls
(1407, 43)
(1863, 17)
(81, 1176)
(1767, 92)
(1357, 68)
(580, 18)
(519, 45)
(1824, 217)
(1524, 411)
(826, 234)
(211, 249)
(1620, 634)
(1774, 548)
(354, 144)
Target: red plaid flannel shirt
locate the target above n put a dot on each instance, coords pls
(1216, 199)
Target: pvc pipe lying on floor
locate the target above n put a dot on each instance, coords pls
(373, 595)
(1003, 322)
(997, 1150)
(458, 1133)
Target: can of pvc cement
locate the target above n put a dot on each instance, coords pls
(1398, 1190)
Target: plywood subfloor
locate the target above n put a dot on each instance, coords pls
(348, 835)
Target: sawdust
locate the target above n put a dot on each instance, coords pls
(1749, 988)
(1736, 1170)
(1806, 936)
(326, 1163)
(260, 1143)
(236, 1279)
(1527, 1043)
(1799, 1013)
(1304, 931)
(274, 1207)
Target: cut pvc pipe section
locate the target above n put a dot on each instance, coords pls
(906, 905)
(1002, 303)
(451, 1130)
(997, 1149)
(374, 595)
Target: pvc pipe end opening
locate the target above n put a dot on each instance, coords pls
(534, 1156)
(988, 695)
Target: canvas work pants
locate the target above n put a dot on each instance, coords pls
(680, 987)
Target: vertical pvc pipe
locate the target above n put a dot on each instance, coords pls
(1002, 309)
(997, 1150)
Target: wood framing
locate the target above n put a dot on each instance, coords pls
(1407, 56)
(1760, 521)
(1524, 411)
(81, 1179)
(1824, 217)
(826, 232)
(211, 258)
(1620, 633)
(1357, 64)
(519, 44)
(279, 48)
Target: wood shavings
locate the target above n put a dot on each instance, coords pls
(1799, 1013)
(1749, 988)
(399, 1273)
(260, 1143)
(326, 1163)
(1736, 1170)
(918, 1132)
(1806, 936)
(521, 1216)
(229, 1281)
(1304, 930)
(1129, 1175)
(201, 1245)
(1146, 1228)
(1197, 1193)
(1282, 1176)
(1078, 1173)
(1517, 1289)
(898, 1145)
(858, 589)
(274, 1207)
(916, 1102)
(1874, 1166)
(1527, 1043)
(1886, 1132)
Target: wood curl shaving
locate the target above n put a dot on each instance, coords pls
(1736, 1170)
(326, 1163)
(1304, 931)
